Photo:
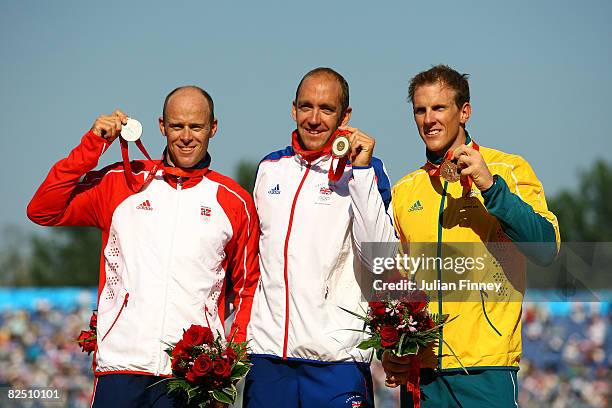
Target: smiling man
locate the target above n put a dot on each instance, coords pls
(188, 123)
(173, 245)
(315, 211)
(494, 198)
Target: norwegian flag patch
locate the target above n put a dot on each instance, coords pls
(205, 212)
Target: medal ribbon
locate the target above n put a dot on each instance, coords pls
(127, 166)
(434, 169)
(174, 171)
(311, 155)
(413, 385)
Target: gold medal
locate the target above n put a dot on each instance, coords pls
(341, 146)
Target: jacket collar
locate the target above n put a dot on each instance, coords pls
(189, 177)
(202, 164)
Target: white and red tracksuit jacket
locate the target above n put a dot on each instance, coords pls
(311, 233)
(168, 253)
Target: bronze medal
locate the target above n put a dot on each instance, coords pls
(449, 170)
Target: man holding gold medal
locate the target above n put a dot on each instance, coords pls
(317, 201)
(480, 196)
(176, 237)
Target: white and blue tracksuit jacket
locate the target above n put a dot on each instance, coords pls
(311, 231)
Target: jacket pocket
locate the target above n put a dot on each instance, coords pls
(123, 305)
(484, 311)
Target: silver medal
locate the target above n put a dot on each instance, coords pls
(132, 130)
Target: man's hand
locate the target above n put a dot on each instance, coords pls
(109, 126)
(362, 146)
(398, 368)
(472, 165)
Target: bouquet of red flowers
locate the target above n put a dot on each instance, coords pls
(403, 327)
(87, 339)
(205, 369)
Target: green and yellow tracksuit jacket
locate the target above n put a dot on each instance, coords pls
(486, 332)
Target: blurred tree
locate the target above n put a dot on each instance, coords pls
(68, 256)
(246, 171)
(585, 213)
(14, 268)
(63, 256)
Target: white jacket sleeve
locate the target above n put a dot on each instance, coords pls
(370, 191)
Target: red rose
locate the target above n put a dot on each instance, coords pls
(378, 308)
(416, 301)
(179, 367)
(93, 322)
(180, 351)
(202, 365)
(388, 336)
(87, 341)
(190, 376)
(222, 368)
(197, 335)
(230, 353)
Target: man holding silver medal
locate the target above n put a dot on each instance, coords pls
(486, 198)
(317, 201)
(176, 238)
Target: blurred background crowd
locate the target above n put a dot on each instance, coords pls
(38, 349)
(566, 353)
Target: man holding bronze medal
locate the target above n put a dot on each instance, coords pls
(176, 238)
(317, 201)
(486, 198)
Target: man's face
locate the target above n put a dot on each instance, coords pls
(187, 127)
(317, 110)
(439, 120)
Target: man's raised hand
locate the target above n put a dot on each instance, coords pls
(472, 165)
(362, 146)
(109, 126)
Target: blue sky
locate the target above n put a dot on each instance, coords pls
(541, 78)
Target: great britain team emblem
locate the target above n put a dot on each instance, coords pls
(324, 193)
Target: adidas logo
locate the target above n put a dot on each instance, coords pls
(145, 205)
(274, 190)
(416, 206)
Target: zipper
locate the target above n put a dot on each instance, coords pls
(179, 185)
(125, 302)
(439, 254)
(285, 266)
(484, 310)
